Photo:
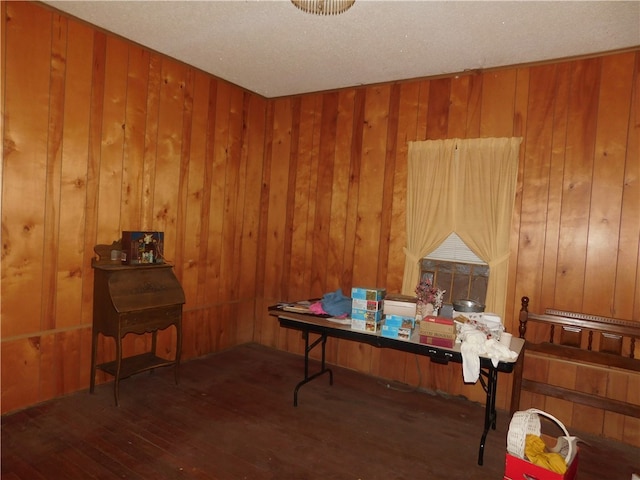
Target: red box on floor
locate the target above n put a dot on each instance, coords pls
(519, 469)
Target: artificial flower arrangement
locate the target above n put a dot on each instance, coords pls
(427, 294)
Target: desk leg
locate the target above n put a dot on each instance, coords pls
(322, 340)
(178, 349)
(154, 342)
(94, 353)
(490, 414)
(116, 380)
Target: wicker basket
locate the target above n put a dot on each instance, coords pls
(528, 422)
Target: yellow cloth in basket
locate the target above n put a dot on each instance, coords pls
(536, 451)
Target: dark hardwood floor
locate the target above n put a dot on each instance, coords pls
(232, 417)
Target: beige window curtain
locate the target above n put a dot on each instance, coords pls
(467, 187)
(430, 181)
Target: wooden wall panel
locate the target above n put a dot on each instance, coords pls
(89, 238)
(112, 140)
(353, 192)
(193, 223)
(459, 98)
(608, 182)
(234, 191)
(60, 368)
(26, 110)
(3, 68)
(405, 130)
(423, 110)
(183, 179)
(53, 171)
(277, 233)
(268, 200)
(151, 128)
(324, 191)
(370, 189)
(555, 181)
(20, 372)
(73, 186)
(627, 300)
(387, 219)
(134, 138)
(217, 159)
(304, 138)
(576, 188)
(253, 152)
(535, 172)
(438, 108)
(341, 218)
(310, 132)
(497, 114)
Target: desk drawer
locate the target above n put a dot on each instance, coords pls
(150, 319)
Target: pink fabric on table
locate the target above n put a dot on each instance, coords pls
(317, 308)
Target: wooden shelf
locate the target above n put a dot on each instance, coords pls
(136, 364)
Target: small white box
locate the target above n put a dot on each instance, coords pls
(402, 305)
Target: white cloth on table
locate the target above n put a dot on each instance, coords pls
(471, 349)
(474, 344)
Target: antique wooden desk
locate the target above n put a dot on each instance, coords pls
(134, 299)
(324, 328)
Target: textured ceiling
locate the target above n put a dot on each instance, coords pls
(272, 48)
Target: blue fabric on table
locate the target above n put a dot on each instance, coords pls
(336, 304)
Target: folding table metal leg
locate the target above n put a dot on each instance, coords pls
(322, 340)
(490, 413)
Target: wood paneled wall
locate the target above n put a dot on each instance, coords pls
(101, 135)
(263, 200)
(336, 171)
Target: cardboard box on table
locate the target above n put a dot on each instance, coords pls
(438, 331)
(396, 326)
(366, 320)
(363, 325)
(370, 315)
(363, 293)
(437, 341)
(370, 305)
(403, 305)
(518, 469)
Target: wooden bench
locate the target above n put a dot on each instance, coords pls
(580, 338)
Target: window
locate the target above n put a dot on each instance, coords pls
(454, 268)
